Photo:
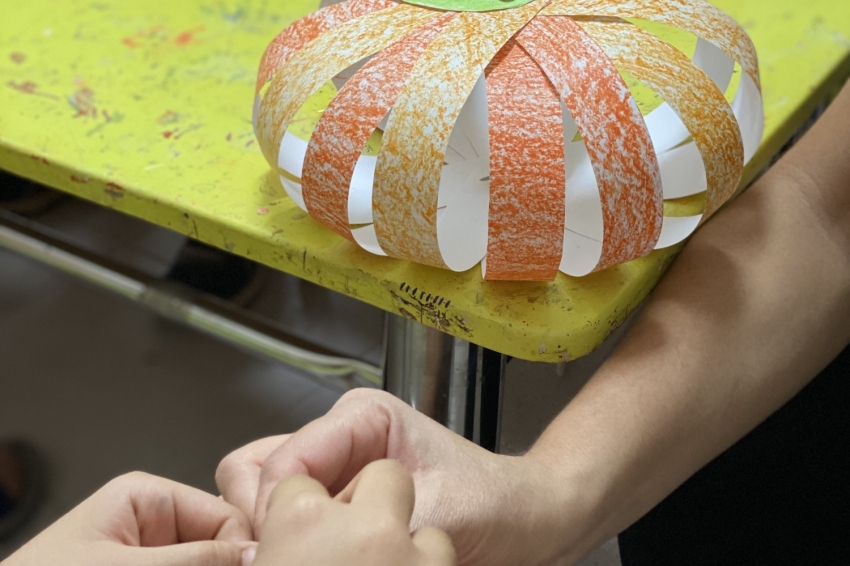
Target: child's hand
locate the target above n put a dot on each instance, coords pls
(498, 510)
(141, 520)
(366, 525)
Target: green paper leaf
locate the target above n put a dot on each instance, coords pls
(470, 5)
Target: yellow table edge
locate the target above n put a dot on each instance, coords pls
(550, 322)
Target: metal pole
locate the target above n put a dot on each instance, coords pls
(418, 366)
(492, 378)
(181, 304)
(458, 384)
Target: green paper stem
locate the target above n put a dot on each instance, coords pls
(470, 5)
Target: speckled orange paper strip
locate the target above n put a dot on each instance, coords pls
(614, 131)
(407, 179)
(309, 28)
(351, 118)
(527, 170)
(692, 94)
(325, 57)
(695, 16)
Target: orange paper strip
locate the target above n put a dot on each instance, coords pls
(325, 57)
(527, 170)
(690, 92)
(351, 118)
(407, 179)
(698, 17)
(614, 131)
(309, 28)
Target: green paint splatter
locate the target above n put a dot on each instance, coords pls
(110, 119)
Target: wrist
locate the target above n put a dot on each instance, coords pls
(533, 511)
(567, 504)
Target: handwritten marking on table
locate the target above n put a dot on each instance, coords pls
(417, 304)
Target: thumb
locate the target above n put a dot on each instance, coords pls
(211, 553)
(332, 449)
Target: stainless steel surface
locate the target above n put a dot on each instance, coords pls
(179, 303)
(458, 384)
(461, 409)
(418, 366)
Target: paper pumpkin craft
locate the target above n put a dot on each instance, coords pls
(504, 132)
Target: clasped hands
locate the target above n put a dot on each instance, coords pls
(339, 491)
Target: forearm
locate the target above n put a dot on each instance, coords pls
(752, 310)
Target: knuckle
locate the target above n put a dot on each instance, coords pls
(226, 467)
(125, 483)
(304, 505)
(131, 478)
(306, 508)
(369, 404)
(365, 395)
(355, 396)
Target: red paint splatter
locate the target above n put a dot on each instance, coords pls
(130, 42)
(114, 190)
(27, 87)
(186, 37)
(229, 137)
(167, 135)
(17, 57)
(262, 211)
(40, 158)
(81, 180)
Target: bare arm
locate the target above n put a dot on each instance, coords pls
(756, 305)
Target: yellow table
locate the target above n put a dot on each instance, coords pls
(145, 107)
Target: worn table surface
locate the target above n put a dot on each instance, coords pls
(145, 107)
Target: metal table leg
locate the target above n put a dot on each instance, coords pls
(456, 383)
(181, 304)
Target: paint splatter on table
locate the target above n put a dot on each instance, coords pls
(146, 108)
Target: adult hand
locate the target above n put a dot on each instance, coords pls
(141, 520)
(367, 525)
(497, 509)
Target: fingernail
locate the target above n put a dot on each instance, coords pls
(248, 556)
